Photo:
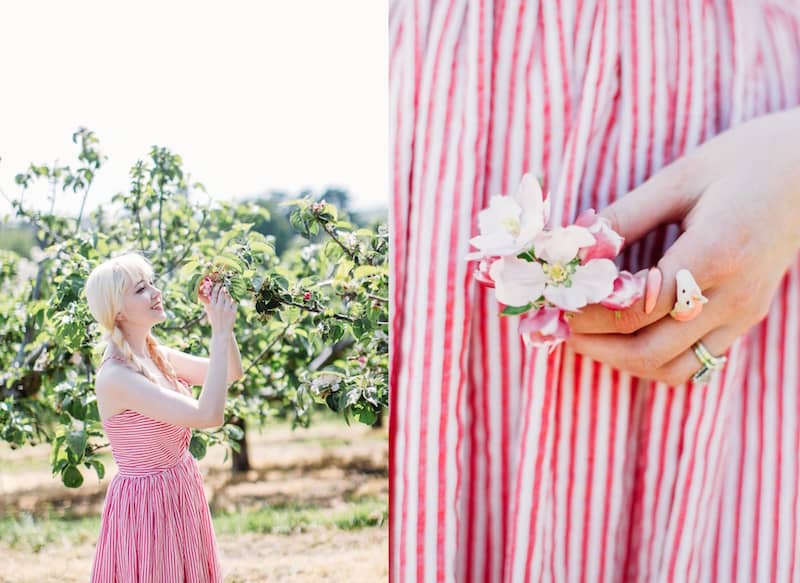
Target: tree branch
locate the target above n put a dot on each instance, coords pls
(332, 234)
(266, 350)
(319, 311)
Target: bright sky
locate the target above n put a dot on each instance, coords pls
(254, 96)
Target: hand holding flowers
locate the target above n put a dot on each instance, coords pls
(545, 274)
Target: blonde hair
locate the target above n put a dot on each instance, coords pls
(104, 289)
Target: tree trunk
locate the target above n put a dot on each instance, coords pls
(241, 458)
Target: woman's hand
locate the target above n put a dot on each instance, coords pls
(737, 198)
(220, 308)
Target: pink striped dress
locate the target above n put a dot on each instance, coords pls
(514, 465)
(156, 526)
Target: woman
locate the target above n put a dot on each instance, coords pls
(677, 120)
(156, 524)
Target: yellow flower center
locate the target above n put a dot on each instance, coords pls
(556, 272)
(512, 225)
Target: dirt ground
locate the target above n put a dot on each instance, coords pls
(327, 466)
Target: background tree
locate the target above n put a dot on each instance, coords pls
(312, 328)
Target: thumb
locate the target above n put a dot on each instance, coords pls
(666, 197)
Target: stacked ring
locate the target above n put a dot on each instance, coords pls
(709, 363)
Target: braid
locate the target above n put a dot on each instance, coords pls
(164, 365)
(118, 339)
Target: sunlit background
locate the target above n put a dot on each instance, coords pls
(255, 96)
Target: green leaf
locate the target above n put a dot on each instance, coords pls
(343, 272)
(366, 270)
(516, 310)
(259, 247)
(367, 416)
(227, 262)
(188, 268)
(99, 468)
(198, 447)
(234, 432)
(332, 250)
(76, 442)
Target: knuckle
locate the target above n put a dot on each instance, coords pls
(741, 300)
(753, 307)
(728, 261)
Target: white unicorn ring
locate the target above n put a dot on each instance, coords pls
(690, 299)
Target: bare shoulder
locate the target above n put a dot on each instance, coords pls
(110, 375)
(108, 386)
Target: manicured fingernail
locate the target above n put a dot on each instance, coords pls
(652, 288)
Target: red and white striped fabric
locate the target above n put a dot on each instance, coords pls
(515, 465)
(156, 525)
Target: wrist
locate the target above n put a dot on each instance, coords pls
(221, 335)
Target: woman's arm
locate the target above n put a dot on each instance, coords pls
(123, 388)
(194, 368)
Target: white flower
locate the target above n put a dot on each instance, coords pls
(510, 224)
(581, 285)
(562, 280)
(516, 281)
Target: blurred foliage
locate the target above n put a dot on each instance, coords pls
(311, 285)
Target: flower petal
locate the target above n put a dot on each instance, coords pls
(482, 273)
(517, 281)
(498, 244)
(490, 220)
(532, 219)
(566, 298)
(544, 327)
(562, 243)
(595, 279)
(608, 242)
(628, 288)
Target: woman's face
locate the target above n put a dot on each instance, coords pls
(142, 303)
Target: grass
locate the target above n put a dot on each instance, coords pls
(290, 518)
(35, 533)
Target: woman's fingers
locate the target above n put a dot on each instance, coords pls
(215, 292)
(654, 346)
(680, 369)
(635, 356)
(683, 254)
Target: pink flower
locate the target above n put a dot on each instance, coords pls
(510, 224)
(628, 288)
(608, 242)
(546, 327)
(482, 274)
(206, 286)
